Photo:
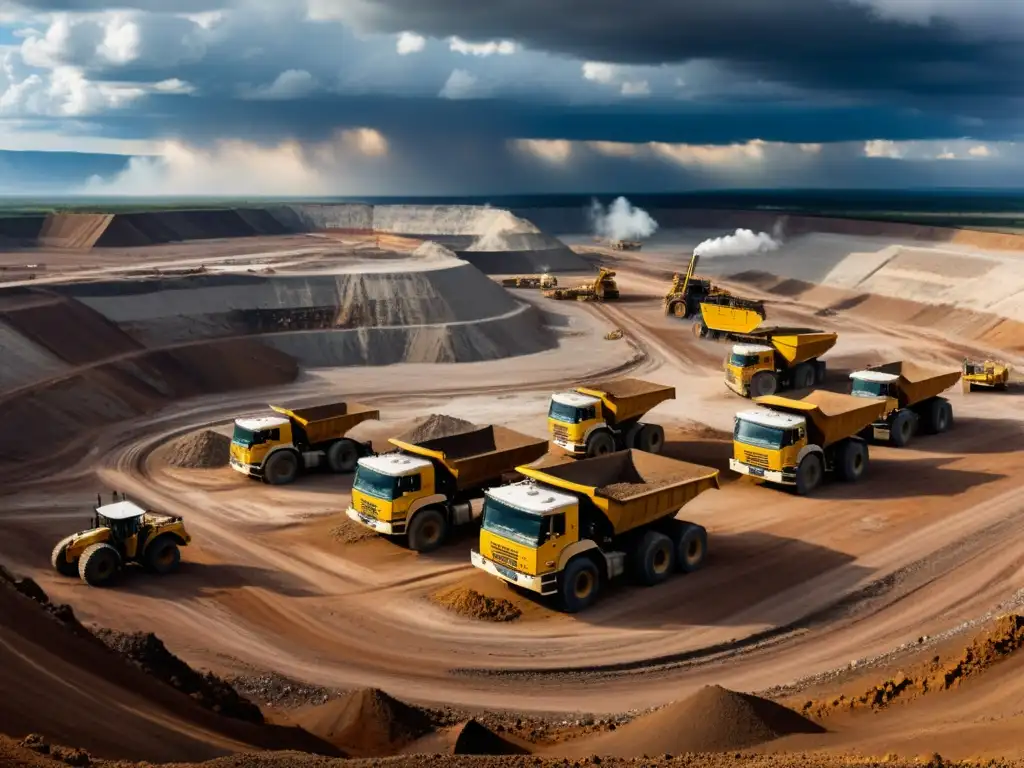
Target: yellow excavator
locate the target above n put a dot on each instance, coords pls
(688, 292)
(985, 375)
(603, 288)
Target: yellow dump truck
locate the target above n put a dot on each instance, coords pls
(797, 441)
(688, 292)
(985, 375)
(910, 393)
(605, 417)
(277, 448)
(572, 527)
(424, 489)
(777, 359)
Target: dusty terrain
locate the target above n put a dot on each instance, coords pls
(109, 368)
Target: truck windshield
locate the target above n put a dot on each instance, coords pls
(245, 437)
(376, 484)
(743, 360)
(569, 414)
(512, 523)
(757, 434)
(864, 388)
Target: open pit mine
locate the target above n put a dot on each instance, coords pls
(359, 482)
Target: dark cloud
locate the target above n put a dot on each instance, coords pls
(154, 6)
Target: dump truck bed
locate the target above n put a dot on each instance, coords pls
(330, 420)
(831, 416)
(730, 319)
(480, 455)
(798, 347)
(632, 488)
(629, 398)
(916, 382)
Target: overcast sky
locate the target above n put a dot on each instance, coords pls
(319, 97)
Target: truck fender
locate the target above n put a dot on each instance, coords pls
(807, 450)
(576, 549)
(437, 500)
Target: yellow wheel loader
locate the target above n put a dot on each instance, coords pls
(121, 533)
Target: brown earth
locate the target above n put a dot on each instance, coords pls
(472, 738)
(205, 449)
(474, 605)
(366, 722)
(435, 427)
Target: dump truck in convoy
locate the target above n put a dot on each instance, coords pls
(278, 448)
(570, 528)
(605, 417)
(423, 489)
(796, 442)
(910, 393)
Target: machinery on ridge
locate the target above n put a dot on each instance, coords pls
(602, 288)
(987, 374)
(688, 292)
(543, 281)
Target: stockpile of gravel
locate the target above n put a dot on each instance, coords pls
(200, 450)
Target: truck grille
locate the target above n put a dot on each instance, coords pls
(755, 459)
(504, 555)
(560, 433)
(368, 509)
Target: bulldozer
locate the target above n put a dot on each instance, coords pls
(688, 292)
(603, 288)
(988, 374)
(121, 533)
(544, 281)
(626, 245)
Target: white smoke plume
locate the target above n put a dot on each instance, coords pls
(622, 221)
(741, 243)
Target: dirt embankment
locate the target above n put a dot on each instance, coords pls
(59, 680)
(205, 449)
(366, 722)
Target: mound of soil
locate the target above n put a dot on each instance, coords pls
(714, 719)
(1004, 638)
(350, 532)
(200, 450)
(472, 738)
(148, 652)
(474, 605)
(366, 723)
(436, 426)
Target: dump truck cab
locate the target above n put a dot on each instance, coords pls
(572, 418)
(120, 533)
(768, 444)
(388, 488)
(254, 439)
(744, 362)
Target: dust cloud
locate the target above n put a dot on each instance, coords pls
(742, 242)
(621, 221)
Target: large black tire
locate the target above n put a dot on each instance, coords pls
(281, 468)
(678, 309)
(579, 585)
(763, 383)
(59, 561)
(852, 461)
(428, 530)
(651, 438)
(803, 376)
(809, 474)
(940, 416)
(820, 371)
(600, 443)
(655, 558)
(162, 555)
(99, 565)
(343, 456)
(902, 428)
(691, 544)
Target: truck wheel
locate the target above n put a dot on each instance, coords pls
(940, 414)
(699, 330)
(600, 443)
(679, 309)
(428, 530)
(809, 474)
(59, 560)
(691, 543)
(820, 371)
(853, 461)
(281, 468)
(651, 438)
(342, 456)
(579, 584)
(655, 558)
(803, 376)
(98, 565)
(902, 428)
(163, 555)
(763, 383)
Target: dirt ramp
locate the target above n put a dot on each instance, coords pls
(77, 231)
(714, 719)
(366, 723)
